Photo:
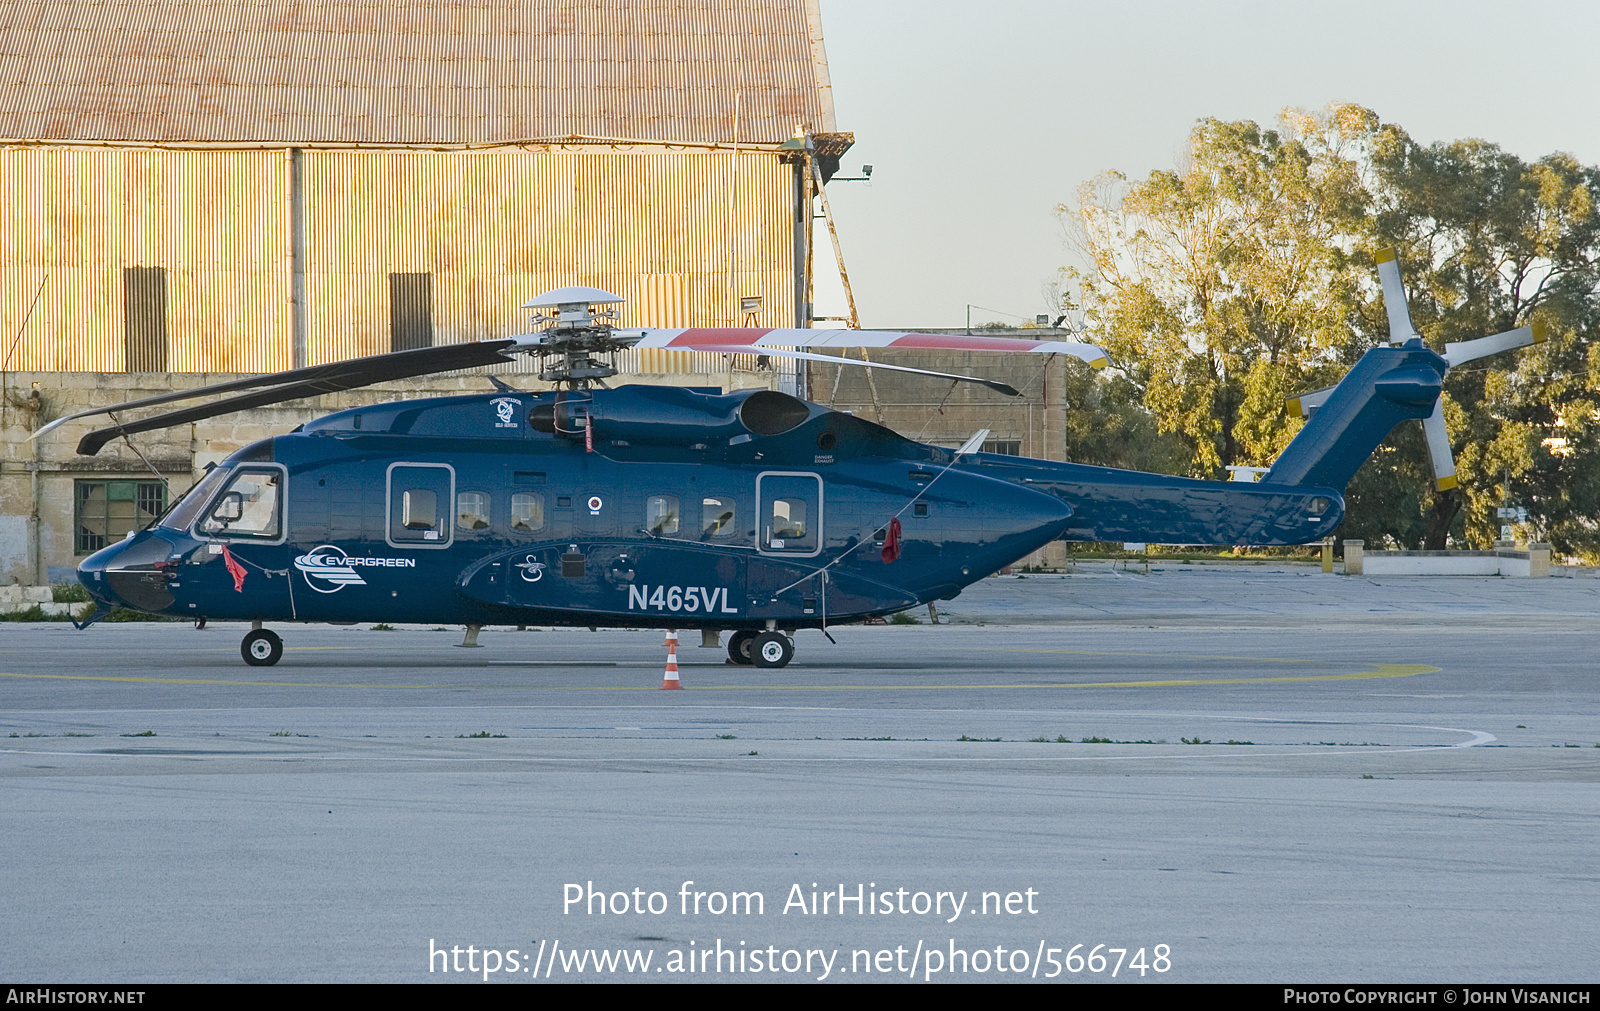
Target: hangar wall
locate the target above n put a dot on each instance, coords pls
(682, 236)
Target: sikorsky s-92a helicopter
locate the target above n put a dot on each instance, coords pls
(666, 507)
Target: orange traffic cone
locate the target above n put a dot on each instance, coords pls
(669, 681)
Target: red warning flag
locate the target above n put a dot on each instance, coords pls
(891, 542)
(234, 569)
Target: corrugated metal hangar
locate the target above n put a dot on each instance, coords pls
(249, 185)
(221, 186)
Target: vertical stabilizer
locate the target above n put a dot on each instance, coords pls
(1387, 386)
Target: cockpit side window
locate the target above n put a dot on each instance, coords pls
(250, 506)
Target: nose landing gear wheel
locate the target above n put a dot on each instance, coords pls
(739, 648)
(772, 649)
(261, 648)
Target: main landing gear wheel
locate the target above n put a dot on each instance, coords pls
(261, 648)
(772, 649)
(739, 648)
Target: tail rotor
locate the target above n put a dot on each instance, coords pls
(1401, 330)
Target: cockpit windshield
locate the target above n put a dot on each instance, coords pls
(188, 505)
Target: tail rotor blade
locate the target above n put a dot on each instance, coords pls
(1394, 298)
(1444, 465)
(1466, 351)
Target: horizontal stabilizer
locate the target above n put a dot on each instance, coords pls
(1306, 404)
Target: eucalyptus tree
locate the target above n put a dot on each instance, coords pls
(1247, 274)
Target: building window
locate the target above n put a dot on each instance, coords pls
(410, 311)
(144, 318)
(107, 510)
(1006, 447)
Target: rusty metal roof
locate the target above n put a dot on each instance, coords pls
(412, 72)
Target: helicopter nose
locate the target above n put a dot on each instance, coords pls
(131, 573)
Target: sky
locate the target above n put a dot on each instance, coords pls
(980, 118)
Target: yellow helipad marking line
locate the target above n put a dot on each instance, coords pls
(1384, 670)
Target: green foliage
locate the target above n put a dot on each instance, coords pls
(69, 593)
(1247, 275)
(1226, 285)
(1490, 243)
(34, 613)
(1108, 426)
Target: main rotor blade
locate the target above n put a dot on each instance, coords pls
(698, 340)
(750, 349)
(322, 379)
(1394, 297)
(1444, 464)
(330, 378)
(1481, 347)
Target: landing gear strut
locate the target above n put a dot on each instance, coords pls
(261, 648)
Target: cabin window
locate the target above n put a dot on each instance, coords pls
(248, 507)
(107, 510)
(788, 520)
(661, 514)
(717, 516)
(527, 511)
(419, 509)
(472, 510)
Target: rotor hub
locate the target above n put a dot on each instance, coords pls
(576, 331)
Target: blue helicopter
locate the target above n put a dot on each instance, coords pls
(754, 512)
